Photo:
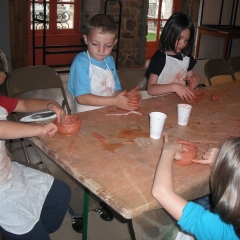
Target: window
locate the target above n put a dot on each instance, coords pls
(60, 16)
(158, 13)
(62, 21)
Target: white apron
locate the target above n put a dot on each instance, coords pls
(174, 71)
(22, 192)
(102, 84)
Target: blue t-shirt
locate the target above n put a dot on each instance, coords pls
(204, 224)
(78, 79)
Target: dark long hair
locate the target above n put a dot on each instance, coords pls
(177, 23)
(225, 183)
(5, 66)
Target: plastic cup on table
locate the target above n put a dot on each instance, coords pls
(184, 111)
(157, 120)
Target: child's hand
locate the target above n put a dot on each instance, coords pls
(126, 103)
(183, 92)
(60, 112)
(48, 130)
(209, 157)
(194, 81)
(174, 147)
(134, 95)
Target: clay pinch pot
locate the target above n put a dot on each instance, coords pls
(188, 153)
(198, 94)
(134, 95)
(69, 126)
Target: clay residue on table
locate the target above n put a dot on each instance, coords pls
(122, 174)
(131, 134)
(112, 147)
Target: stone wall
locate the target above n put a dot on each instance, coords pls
(133, 24)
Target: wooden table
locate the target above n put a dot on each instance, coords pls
(226, 33)
(121, 171)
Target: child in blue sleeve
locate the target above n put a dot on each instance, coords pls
(93, 79)
(223, 223)
(172, 65)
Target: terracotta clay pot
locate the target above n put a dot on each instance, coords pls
(198, 94)
(134, 95)
(188, 153)
(70, 125)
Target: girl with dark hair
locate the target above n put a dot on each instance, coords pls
(171, 66)
(224, 222)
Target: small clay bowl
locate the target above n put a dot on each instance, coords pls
(198, 94)
(135, 96)
(70, 125)
(188, 153)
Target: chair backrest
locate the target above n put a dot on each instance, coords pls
(130, 78)
(37, 82)
(235, 65)
(218, 71)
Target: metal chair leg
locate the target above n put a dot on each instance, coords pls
(25, 150)
(23, 147)
(85, 214)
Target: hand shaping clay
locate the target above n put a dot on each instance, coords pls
(198, 94)
(69, 126)
(134, 95)
(188, 153)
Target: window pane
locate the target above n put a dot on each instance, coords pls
(39, 16)
(167, 7)
(152, 30)
(153, 9)
(65, 16)
(162, 24)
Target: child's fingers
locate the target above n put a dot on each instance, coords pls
(201, 161)
(135, 89)
(165, 138)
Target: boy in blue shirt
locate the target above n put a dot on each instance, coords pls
(93, 79)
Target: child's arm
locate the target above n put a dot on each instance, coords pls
(12, 130)
(194, 79)
(209, 157)
(163, 182)
(37, 105)
(120, 100)
(156, 89)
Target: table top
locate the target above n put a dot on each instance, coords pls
(232, 32)
(121, 170)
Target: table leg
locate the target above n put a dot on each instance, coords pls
(85, 214)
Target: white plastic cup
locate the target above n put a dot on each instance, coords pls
(157, 120)
(183, 113)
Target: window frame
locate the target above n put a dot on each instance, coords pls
(53, 17)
